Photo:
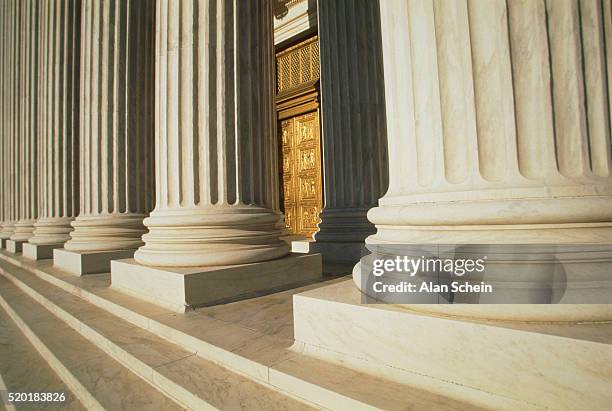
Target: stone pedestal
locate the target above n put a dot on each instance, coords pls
(353, 124)
(184, 288)
(539, 364)
(14, 246)
(39, 251)
(332, 252)
(490, 138)
(116, 139)
(82, 263)
(7, 230)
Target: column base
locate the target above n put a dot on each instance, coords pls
(52, 231)
(82, 263)
(15, 246)
(7, 230)
(24, 229)
(388, 341)
(39, 251)
(180, 289)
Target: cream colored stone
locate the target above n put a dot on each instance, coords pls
(292, 18)
(58, 121)
(25, 119)
(216, 171)
(39, 252)
(191, 381)
(82, 263)
(499, 180)
(559, 368)
(10, 67)
(183, 288)
(116, 125)
(14, 246)
(490, 139)
(97, 381)
(16, 374)
(224, 335)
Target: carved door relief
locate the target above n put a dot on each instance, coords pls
(301, 173)
(299, 136)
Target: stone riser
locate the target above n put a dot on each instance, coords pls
(22, 355)
(174, 388)
(79, 391)
(330, 386)
(243, 366)
(99, 383)
(557, 366)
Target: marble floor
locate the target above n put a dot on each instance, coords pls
(252, 338)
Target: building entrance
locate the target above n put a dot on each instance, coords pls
(299, 136)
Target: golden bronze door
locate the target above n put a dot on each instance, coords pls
(302, 189)
(300, 140)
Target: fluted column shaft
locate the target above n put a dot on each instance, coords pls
(4, 16)
(215, 136)
(10, 39)
(58, 151)
(116, 125)
(26, 164)
(10, 127)
(498, 121)
(353, 118)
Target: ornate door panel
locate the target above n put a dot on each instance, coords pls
(301, 173)
(297, 104)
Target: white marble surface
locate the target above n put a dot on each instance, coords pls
(184, 288)
(249, 337)
(549, 369)
(84, 262)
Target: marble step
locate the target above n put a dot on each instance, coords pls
(191, 381)
(17, 358)
(561, 366)
(246, 349)
(94, 378)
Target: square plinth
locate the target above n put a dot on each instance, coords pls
(82, 263)
(183, 288)
(3, 242)
(550, 365)
(339, 253)
(39, 251)
(13, 246)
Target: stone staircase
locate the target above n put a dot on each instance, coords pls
(110, 351)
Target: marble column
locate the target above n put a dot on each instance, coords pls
(498, 119)
(59, 121)
(489, 122)
(3, 116)
(58, 151)
(26, 164)
(353, 124)
(116, 125)
(10, 38)
(215, 158)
